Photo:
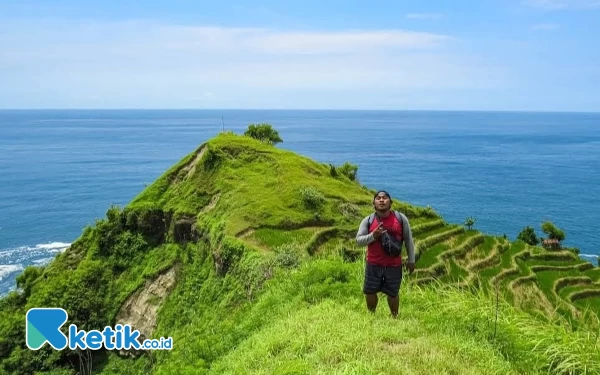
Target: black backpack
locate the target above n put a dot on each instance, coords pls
(390, 245)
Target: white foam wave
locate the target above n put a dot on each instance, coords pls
(58, 246)
(52, 247)
(6, 269)
(42, 261)
(592, 257)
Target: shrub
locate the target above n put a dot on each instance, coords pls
(109, 229)
(126, 248)
(227, 255)
(333, 170)
(152, 225)
(212, 158)
(429, 212)
(349, 210)
(288, 255)
(264, 133)
(312, 198)
(528, 236)
(348, 170)
(27, 279)
(553, 231)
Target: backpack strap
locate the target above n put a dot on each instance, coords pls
(370, 221)
(399, 219)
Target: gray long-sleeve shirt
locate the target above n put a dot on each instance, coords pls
(364, 238)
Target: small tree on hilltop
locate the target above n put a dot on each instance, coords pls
(470, 222)
(264, 133)
(528, 236)
(553, 232)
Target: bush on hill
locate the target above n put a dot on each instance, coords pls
(347, 169)
(264, 133)
(528, 236)
(553, 232)
(312, 197)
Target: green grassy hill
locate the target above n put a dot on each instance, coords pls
(244, 254)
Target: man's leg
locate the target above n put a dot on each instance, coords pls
(371, 301)
(372, 285)
(391, 287)
(393, 303)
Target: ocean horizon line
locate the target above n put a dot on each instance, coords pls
(507, 111)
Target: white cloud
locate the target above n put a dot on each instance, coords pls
(425, 16)
(145, 62)
(545, 26)
(564, 4)
(342, 42)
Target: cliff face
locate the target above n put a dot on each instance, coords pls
(140, 310)
(241, 239)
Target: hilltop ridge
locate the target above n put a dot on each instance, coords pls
(244, 251)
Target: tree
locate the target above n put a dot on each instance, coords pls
(264, 133)
(553, 231)
(528, 236)
(470, 222)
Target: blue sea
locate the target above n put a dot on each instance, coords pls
(60, 170)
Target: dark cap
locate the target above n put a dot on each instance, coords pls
(382, 191)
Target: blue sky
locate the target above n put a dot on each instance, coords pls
(532, 55)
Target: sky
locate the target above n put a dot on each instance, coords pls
(506, 55)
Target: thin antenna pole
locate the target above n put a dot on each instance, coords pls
(223, 124)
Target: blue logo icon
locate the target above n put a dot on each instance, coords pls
(43, 325)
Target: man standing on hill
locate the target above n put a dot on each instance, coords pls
(383, 271)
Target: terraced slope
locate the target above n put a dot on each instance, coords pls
(547, 283)
(534, 278)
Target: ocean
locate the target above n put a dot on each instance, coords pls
(60, 170)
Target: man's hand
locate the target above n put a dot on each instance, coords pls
(379, 231)
(411, 267)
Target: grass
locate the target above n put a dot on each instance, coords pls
(272, 281)
(426, 226)
(589, 303)
(330, 338)
(438, 234)
(313, 321)
(593, 274)
(481, 251)
(546, 279)
(505, 261)
(430, 256)
(491, 260)
(273, 238)
(455, 273)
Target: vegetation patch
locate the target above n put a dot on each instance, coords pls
(267, 278)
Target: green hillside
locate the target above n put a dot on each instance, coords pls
(244, 254)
